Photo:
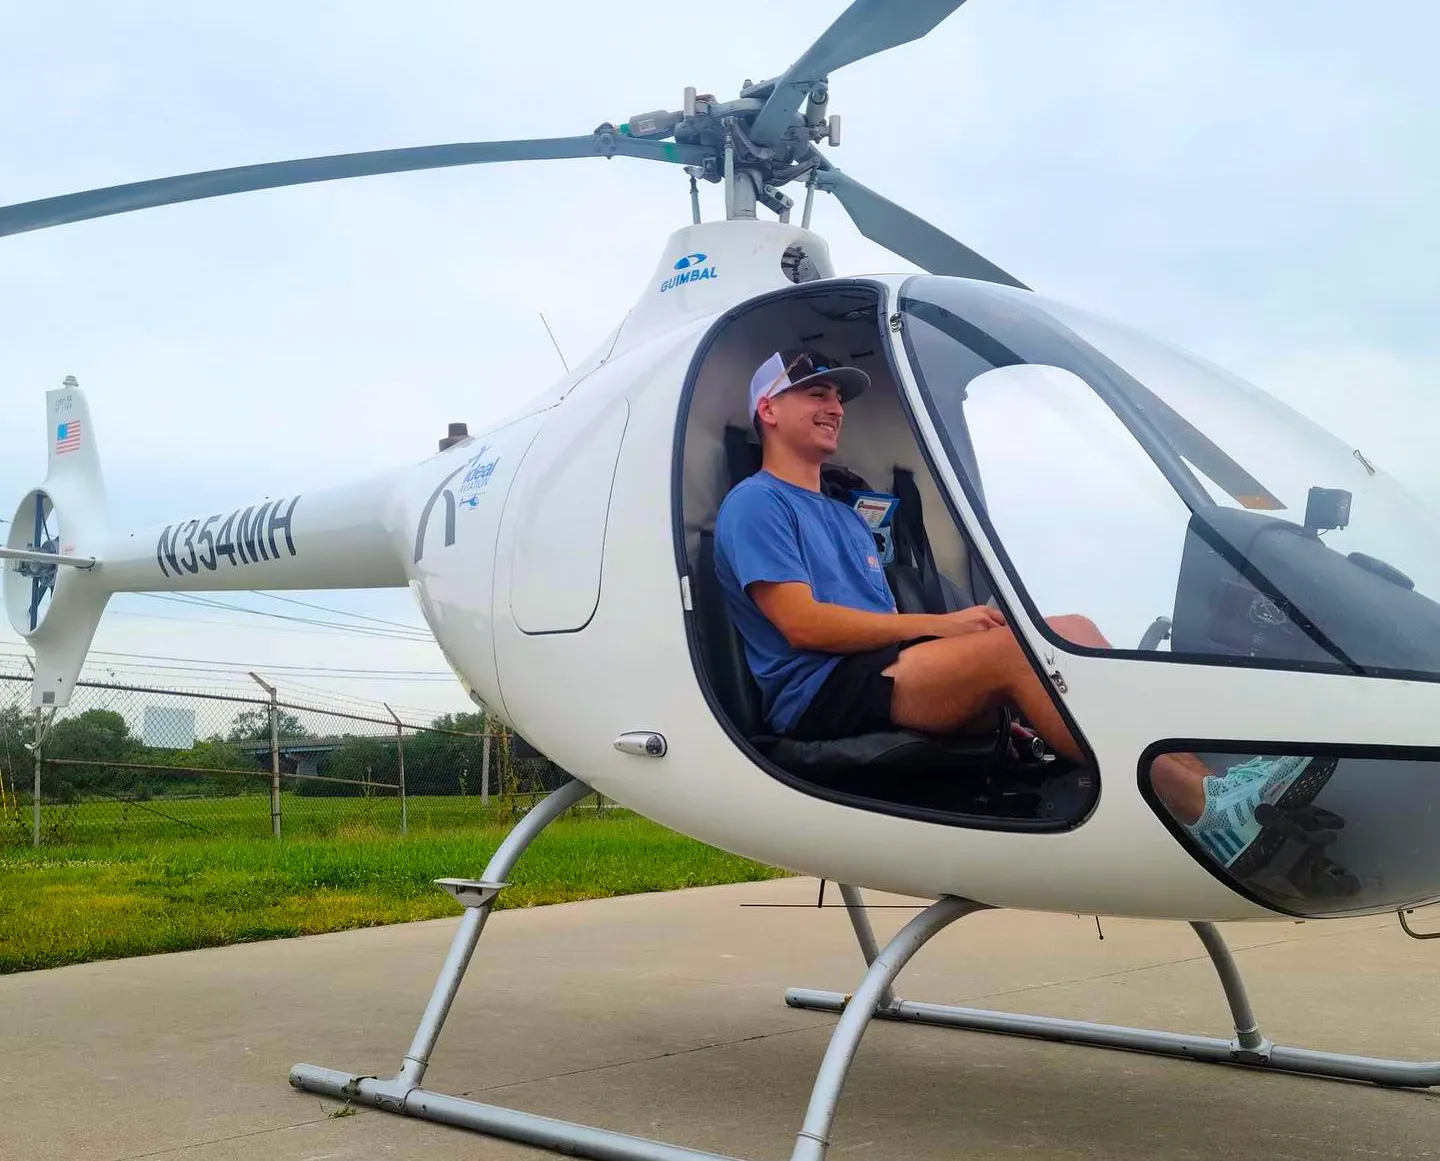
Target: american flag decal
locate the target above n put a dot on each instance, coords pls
(67, 436)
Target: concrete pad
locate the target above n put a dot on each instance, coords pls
(662, 1016)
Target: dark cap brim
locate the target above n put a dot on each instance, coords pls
(850, 381)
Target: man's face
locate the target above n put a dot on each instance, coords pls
(806, 419)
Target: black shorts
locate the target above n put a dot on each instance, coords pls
(855, 698)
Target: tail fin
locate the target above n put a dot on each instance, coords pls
(74, 453)
(52, 593)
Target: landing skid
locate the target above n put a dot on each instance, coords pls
(1249, 1046)
(403, 1093)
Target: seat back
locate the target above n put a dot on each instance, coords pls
(914, 571)
(721, 648)
(743, 456)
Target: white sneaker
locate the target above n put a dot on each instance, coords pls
(1228, 826)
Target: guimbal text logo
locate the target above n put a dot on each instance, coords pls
(691, 268)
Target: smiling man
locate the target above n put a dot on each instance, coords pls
(805, 587)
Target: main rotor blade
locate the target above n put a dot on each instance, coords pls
(863, 29)
(901, 232)
(141, 195)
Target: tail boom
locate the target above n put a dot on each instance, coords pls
(339, 538)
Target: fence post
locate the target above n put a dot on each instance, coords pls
(274, 753)
(39, 741)
(400, 757)
(485, 775)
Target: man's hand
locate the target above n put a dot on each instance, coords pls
(976, 619)
(810, 624)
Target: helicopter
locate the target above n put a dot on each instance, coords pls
(1266, 584)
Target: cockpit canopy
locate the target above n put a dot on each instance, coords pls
(1169, 500)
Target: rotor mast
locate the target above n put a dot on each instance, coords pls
(751, 173)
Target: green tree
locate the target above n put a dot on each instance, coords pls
(253, 725)
(358, 759)
(210, 754)
(97, 735)
(441, 763)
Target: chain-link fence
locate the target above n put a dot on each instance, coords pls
(129, 763)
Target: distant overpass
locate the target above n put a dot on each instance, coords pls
(298, 755)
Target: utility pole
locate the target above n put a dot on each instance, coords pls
(274, 753)
(39, 762)
(400, 757)
(485, 770)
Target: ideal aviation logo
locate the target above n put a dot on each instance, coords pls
(690, 268)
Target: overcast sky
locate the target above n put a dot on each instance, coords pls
(1254, 181)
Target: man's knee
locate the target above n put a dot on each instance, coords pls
(991, 655)
(1079, 629)
(952, 682)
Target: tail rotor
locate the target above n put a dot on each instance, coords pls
(46, 539)
(53, 594)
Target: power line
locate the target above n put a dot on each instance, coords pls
(205, 602)
(406, 634)
(207, 666)
(225, 624)
(340, 612)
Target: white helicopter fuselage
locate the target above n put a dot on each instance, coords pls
(542, 553)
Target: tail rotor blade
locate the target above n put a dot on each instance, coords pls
(140, 195)
(863, 29)
(41, 581)
(911, 237)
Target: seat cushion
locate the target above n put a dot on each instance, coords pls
(906, 749)
(964, 777)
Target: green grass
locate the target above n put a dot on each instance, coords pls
(76, 903)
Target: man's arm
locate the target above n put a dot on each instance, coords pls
(810, 624)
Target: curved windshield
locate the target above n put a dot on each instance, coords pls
(1176, 506)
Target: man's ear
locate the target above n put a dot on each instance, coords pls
(764, 410)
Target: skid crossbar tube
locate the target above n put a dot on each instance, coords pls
(1249, 1046)
(403, 1094)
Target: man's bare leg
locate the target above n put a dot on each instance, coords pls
(943, 685)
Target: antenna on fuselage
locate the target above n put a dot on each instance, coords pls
(556, 345)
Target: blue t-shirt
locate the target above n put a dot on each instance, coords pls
(771, 530)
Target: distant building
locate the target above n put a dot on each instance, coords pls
(169, 727)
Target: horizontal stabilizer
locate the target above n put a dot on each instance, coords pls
(27, 557)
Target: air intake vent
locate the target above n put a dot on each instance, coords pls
(798, 266)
